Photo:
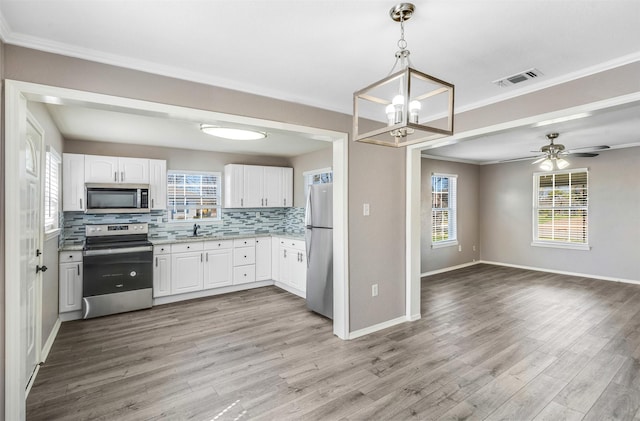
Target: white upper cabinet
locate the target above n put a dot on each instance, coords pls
(73, 182)
(110, 169)
(287, 187)
(134, 170)
(158, 183)
(254, 186)
(233, 186)
(273, 187)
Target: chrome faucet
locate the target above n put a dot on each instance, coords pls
(195, 229)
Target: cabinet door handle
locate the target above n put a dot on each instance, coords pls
(115, 176)
(285, 253)
(285, 201)
(81, 204)
(201, 257)
(261, 202)
(78, 266)
(156, 262)
(241, 202)
(152, 203)
(266, 201)
(207, 256)
(122, 176)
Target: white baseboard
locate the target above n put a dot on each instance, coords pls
(292, 290)
(414, 317)
(49, 343)
(450, 268)
(70, 315)
(367, 330)
(563, 272)
(32, 380)
(209, 292)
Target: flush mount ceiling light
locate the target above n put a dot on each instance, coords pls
(231, 133)
(407, 106)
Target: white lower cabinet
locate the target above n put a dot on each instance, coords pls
(263, 259)
(293, 264)
(70, 281)
(202, 265)
(218, 264)
(186, 267)
(161, 271)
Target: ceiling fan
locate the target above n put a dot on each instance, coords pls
(553, 154)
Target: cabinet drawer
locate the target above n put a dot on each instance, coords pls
(244, 274)
(244, 242)
(296, 244)
(184, 247)
(162, 249)
(217, 245)
(70, 256)
(244, 256)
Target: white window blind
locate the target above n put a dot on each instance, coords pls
(561, 207)
(193, 195)
(443, 209)
(51, 189)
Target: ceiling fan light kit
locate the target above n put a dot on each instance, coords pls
(407, 106)
(554, 153)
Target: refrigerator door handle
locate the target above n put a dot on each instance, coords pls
(307, 240)
(307, 211)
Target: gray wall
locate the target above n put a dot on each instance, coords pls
(614, 217)
(307, 162)
(53, 138)
(467, 222)
(374, 248)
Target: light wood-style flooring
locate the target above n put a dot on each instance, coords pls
(493, 343)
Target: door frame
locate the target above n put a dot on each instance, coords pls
(413, 186)
(17, 93)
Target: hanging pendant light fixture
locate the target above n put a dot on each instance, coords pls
(407, 106)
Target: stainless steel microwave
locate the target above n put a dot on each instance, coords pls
(117, 198)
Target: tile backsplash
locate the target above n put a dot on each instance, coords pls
(233, 222)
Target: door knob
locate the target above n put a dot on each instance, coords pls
(41, 268)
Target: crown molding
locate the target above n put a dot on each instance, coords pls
(569, 77)
(37, 43)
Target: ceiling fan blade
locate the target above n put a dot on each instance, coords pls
(542, 158)
(581, 155)
(526, 158)
(591, 148)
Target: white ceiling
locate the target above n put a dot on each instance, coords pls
(319, 52)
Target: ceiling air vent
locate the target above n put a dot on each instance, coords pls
(518, 78)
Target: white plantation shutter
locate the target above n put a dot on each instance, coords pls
(193, 195)
(444, 208)
(51, 189)
(561, 207)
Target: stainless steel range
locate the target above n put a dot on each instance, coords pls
(118, 269)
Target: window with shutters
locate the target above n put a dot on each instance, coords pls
(51, 189)
(560, 214)
(443, 210)
(193, 195)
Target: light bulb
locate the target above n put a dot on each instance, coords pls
(391, 114)
(398, 104)
(546, 165)
(414, 111)
(562, 163)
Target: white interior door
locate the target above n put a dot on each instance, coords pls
(31, 227)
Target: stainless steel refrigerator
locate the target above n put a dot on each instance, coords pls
(319, 239)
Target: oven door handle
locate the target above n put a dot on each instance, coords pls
(123, 250)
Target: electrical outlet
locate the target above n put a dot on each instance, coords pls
(365, 209)
(374, 290)
(459, 247)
